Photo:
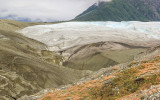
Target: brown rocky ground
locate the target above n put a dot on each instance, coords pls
(139, 81)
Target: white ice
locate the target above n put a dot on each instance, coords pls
(65, 35)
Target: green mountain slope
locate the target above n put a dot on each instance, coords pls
(122, 10)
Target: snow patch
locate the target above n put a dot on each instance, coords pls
(99, 1)
(4, 37)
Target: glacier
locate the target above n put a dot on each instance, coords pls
(69, 34)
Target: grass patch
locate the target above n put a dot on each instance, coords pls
(126, 83)
(47, 98)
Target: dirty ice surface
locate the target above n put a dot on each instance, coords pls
(65, 35)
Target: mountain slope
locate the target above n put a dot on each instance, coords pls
(11, 25)
(26, 66)
(122, 10)
(101, 55)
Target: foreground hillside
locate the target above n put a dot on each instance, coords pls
(26, 66)
(122, 10)
(140, 80)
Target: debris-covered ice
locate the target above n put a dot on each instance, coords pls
(69, 34)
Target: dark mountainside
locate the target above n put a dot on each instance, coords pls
(122, 10)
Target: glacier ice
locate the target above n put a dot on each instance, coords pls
(65, 35)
